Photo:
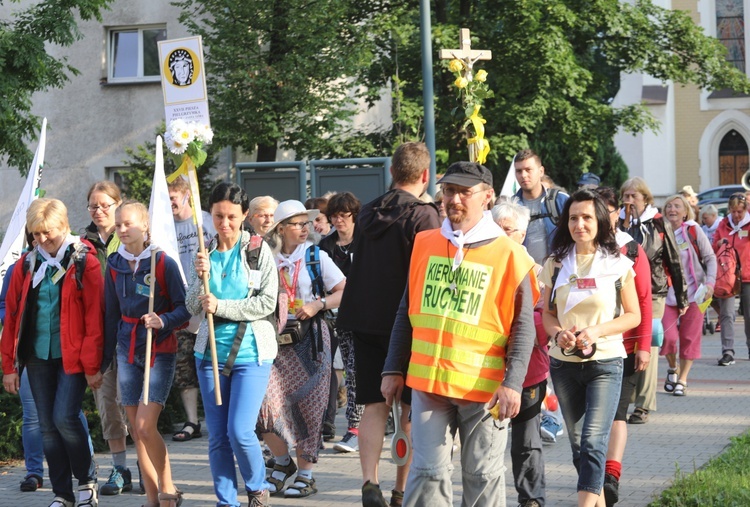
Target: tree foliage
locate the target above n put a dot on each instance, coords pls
(280, 70)
(140, 174)
(283, 72)
(26, 67)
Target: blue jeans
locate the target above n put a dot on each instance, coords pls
(588, 394)
(31, 435)
(232, 427)
(58, 397)
(131, 377)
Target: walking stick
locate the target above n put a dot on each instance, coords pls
(210, 319)
(149, 333)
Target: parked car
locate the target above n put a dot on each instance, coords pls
(719, 194)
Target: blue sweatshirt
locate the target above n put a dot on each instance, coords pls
(126, 300)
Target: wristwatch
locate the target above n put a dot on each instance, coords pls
(323, 300)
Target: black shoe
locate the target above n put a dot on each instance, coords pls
(372, 496)
(329, 431)
(726, 360)
(611, 490)
(32, 482)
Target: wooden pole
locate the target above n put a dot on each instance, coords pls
(210, 319)
(147, 366)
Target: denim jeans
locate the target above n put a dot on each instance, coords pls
(433, 424)
(58, 398)
(231, 427)
(131, 377)
(31, 435)
(588, 392)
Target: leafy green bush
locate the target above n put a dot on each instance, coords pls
(11, 414)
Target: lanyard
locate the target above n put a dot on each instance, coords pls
(291, 291)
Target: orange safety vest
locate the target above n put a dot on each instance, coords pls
(461, 319)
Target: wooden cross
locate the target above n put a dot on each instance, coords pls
(466, 54)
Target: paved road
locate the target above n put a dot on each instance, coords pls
(683, 434)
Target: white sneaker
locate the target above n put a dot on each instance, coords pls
(350, 443)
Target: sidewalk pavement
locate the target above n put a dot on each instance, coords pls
(682, 435)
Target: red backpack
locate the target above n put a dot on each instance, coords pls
(728, 272)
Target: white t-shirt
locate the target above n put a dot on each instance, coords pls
(187, 238)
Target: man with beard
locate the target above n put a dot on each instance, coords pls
(377, 277)
(185, 377)
(461, 341)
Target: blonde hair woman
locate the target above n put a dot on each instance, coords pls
(699, 263)
(127, 282)
(56, 292)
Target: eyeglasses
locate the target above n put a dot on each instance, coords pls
(340, 216)
(299, 225)
(613, 211)
(738, 197)
(264, 216)
(103, 207)
(463, 192)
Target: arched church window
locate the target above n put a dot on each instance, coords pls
(730, 30)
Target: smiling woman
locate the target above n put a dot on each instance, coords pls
(59, 344)
(586, 278)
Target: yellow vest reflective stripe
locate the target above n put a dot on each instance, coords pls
(461, 319)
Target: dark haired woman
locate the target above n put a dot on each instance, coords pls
(240, 298)
(342, 211)
(590, 300)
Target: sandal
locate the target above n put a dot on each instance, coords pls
(680, 388)
(61, 502)
(288, 471)
(301, 488)
(92, 500)
(671, 380)
(639, 416)
(184, 435)
(174, 499)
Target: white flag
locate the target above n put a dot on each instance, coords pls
(10, 251)
(510, 187)
(160, 212)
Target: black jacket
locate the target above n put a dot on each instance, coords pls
(385, 228)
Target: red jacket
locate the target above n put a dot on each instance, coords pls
(539, 360)
(740, 241)
(641, 334)
(81, 318)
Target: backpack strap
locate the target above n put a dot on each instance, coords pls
(693, 237)
(554, 280)
(252, 255)
(551, 203)
(312, 262)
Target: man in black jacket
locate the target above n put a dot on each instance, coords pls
(377, 278)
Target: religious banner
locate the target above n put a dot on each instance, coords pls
(183, 80)
(13, 241)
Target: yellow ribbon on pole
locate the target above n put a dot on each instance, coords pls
(482, 145)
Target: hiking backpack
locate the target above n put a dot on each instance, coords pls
(550, 202)
(728, 271)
